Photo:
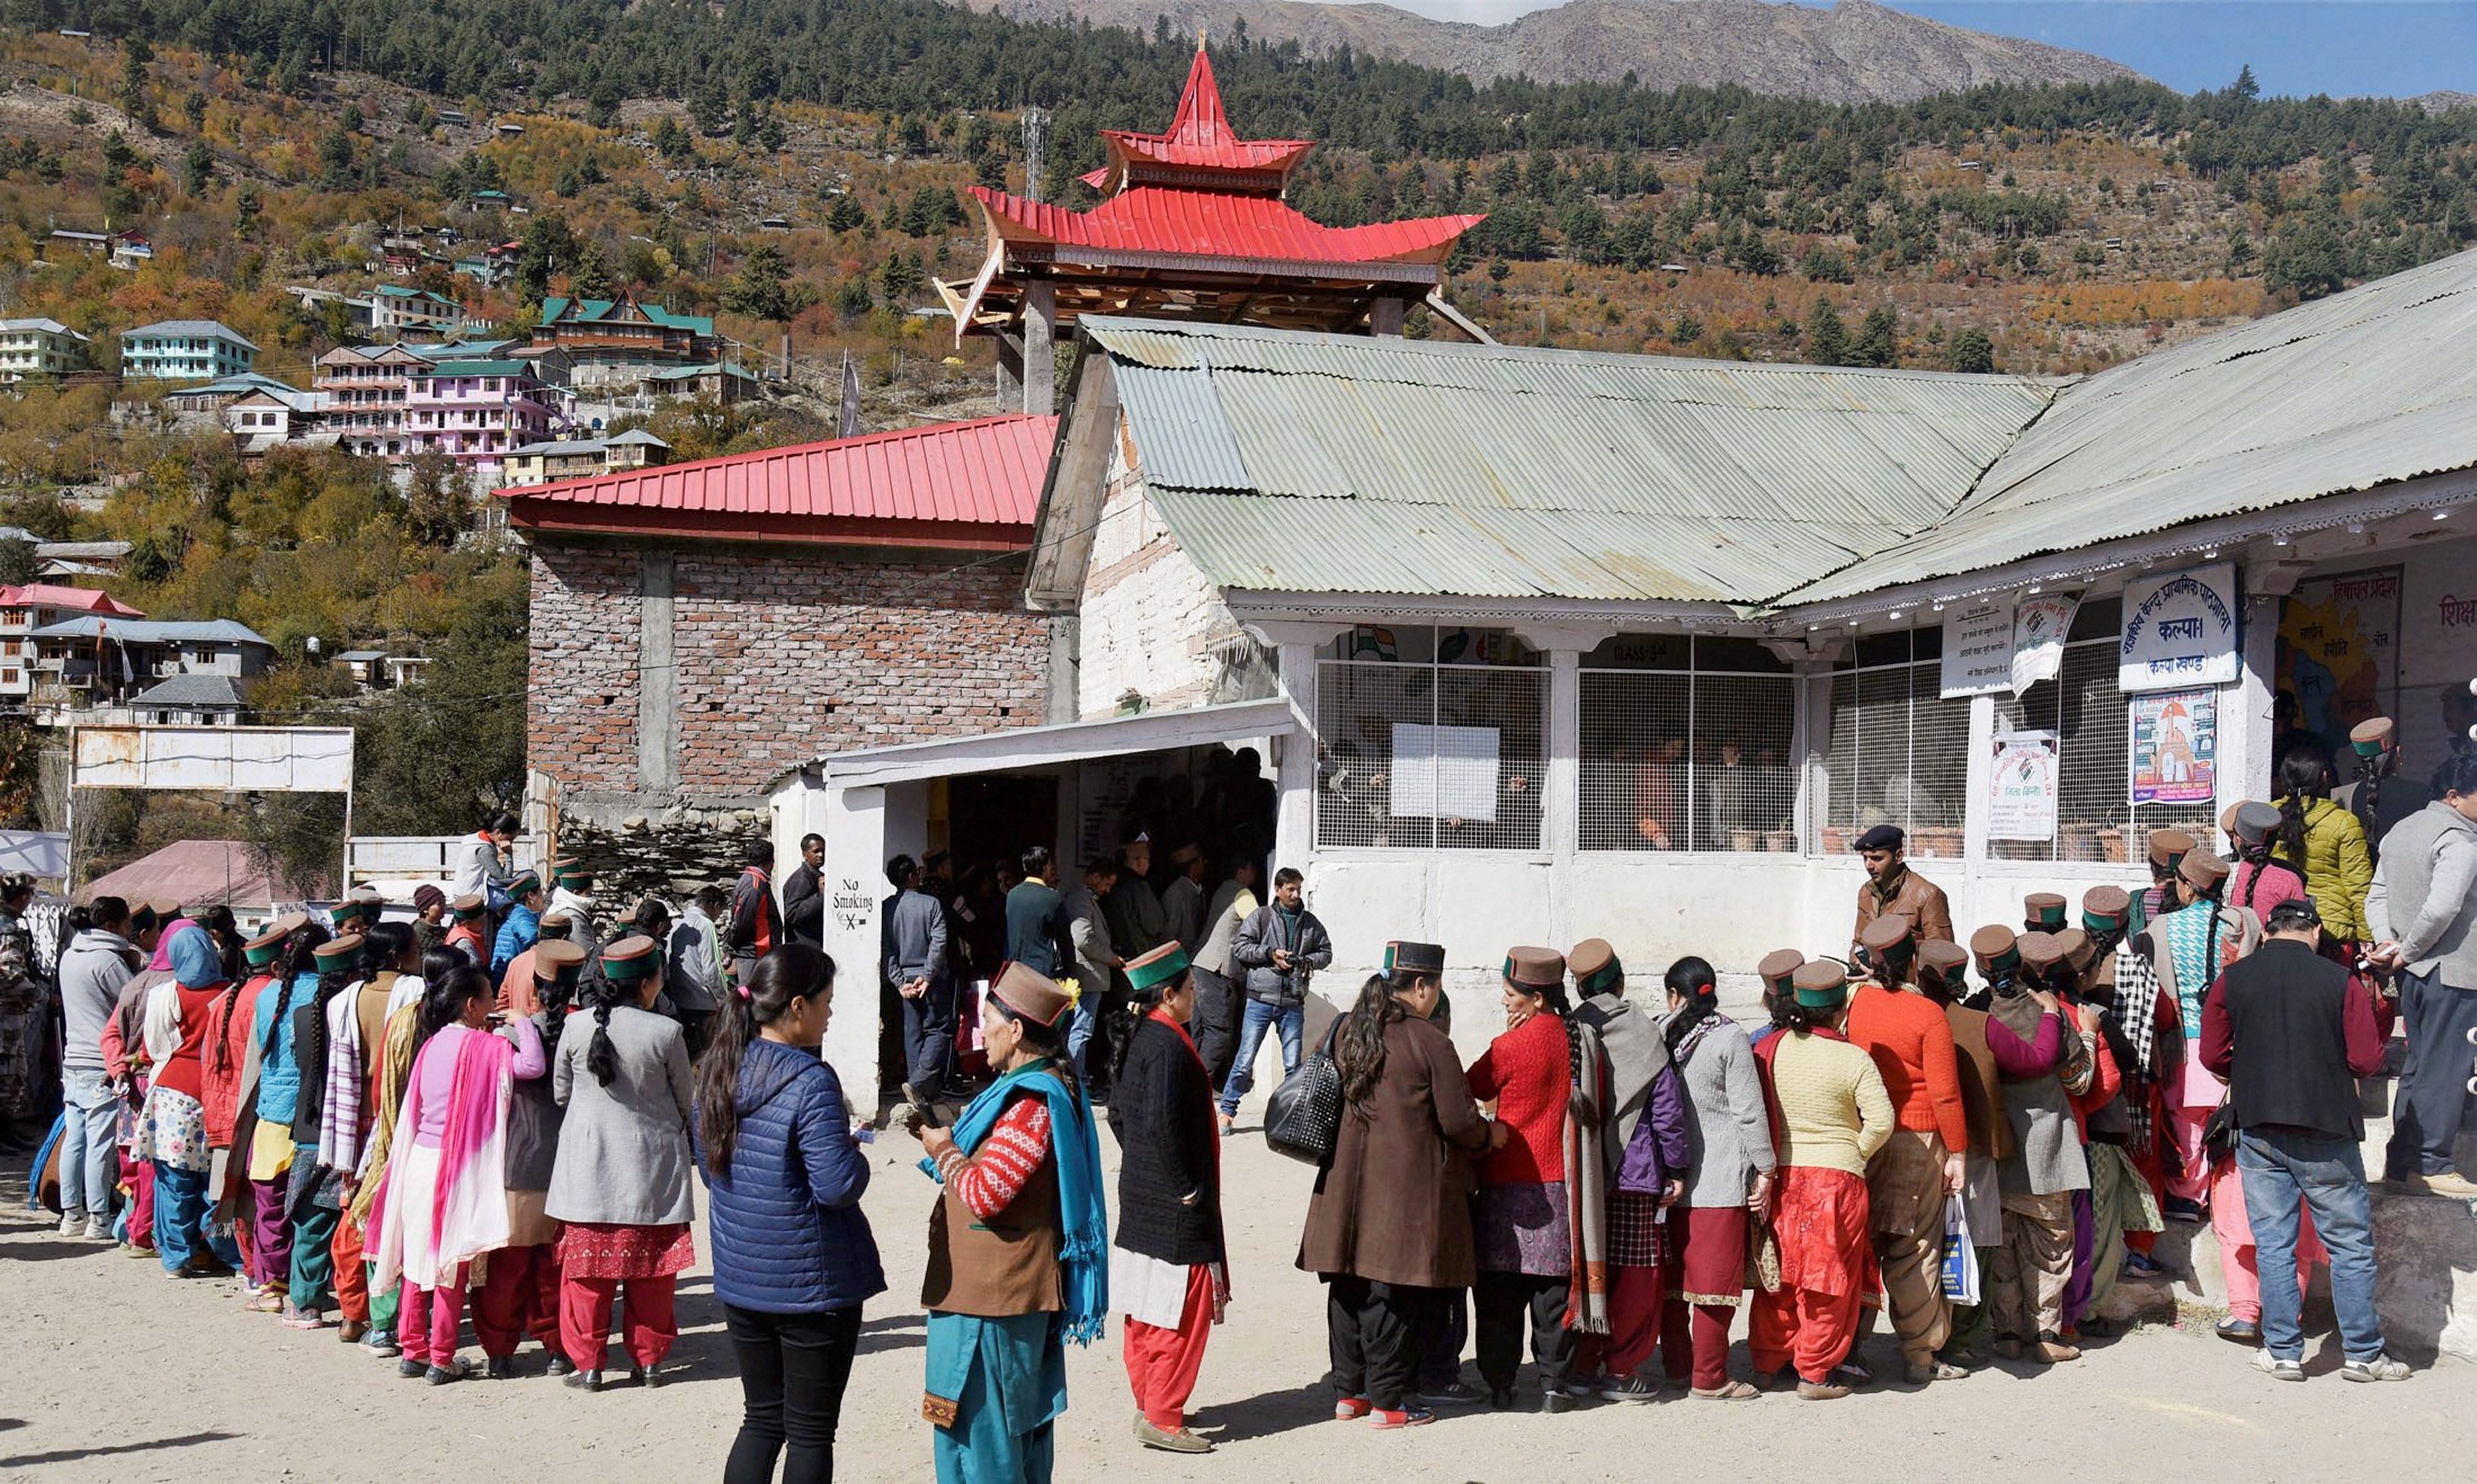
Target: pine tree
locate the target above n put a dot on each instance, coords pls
(1874, 345)
(1970, 351)
(1827, 339)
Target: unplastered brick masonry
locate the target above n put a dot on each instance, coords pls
(780, 657)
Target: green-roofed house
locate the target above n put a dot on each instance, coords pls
(620, 342)
(476, 411)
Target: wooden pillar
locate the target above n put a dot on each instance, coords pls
(1040, 360)
(1384, 317)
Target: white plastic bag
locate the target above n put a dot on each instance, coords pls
(1961, 1276)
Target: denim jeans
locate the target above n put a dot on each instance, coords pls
(2279, 1167)
(1292, 1020)
(90, 1159)
(1079, 1028)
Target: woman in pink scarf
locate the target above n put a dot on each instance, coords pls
(446, 1200)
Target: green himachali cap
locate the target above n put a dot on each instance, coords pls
(2047, 909)
(1996, 949)
(557, 961)
(1596, 968)
(1421, 959)
(1536, 969)
(1778, 968)
(1821, 984)
(630, 959)
(1159, 966)
(337, 954)
(525, 885)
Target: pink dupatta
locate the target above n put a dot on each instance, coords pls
(468, 1206)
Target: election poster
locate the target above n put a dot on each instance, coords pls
(2175, 747)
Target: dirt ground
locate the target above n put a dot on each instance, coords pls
(112, 1373)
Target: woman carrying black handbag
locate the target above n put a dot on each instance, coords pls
(1389, 1226)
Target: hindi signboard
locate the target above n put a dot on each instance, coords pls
(1977, 649)
(2180, 630)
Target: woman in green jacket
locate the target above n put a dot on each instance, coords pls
(2325, 842)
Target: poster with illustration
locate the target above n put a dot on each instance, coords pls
(2338, 651)
(2175, 747)
(2021, 788)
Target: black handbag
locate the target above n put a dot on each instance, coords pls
(2219, 1133)
(1303, 1118)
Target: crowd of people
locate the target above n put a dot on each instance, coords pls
(507, 1104)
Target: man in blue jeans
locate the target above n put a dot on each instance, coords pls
(2291, 1031)
(98, 962)
(1280, 947)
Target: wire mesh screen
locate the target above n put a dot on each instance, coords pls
(1416, 755)
(2095, 819)
(1900, 755)
(1679, 762)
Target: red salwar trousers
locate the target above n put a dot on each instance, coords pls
(585, 1319)
(520, 1296)
(1636, 1298)
(1162, 1364)
(1808, 1326)
(428, 1319)
(352, 1281)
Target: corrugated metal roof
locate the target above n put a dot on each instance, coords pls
(1327, 462)
(2363, 388)
(986, 473)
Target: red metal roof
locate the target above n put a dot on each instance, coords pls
(83, 600)
(1217, 224)
(1200, 135)
(974, 484)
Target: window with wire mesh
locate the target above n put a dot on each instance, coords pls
(1899, 755)
(1687, 759)
(1361, 706)
(2095, 819)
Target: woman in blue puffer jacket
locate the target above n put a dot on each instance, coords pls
(794, 1257)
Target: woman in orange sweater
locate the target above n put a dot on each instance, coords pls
(1911, 1042)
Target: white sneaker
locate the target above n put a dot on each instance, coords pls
(2382, 1368)
(72, 1224)
(98, 1228)
(2278, 1370)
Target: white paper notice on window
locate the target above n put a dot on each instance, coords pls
(1444, 772)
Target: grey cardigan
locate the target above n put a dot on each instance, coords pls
(1728, 1125)
(623, 1149)
(2424, 895)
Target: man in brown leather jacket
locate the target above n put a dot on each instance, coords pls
(1892, 887)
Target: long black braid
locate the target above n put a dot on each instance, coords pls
(601, 996)
(299, 961)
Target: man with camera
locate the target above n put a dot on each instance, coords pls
(2291, 1030)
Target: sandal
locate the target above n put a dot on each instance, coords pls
(1735, 1391)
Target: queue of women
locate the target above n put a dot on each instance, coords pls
(378, 1138)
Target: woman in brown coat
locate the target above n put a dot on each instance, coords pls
(1388, 1227)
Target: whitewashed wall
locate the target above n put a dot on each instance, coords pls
(1147, 610)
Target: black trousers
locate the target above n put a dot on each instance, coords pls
(1378, 1331)
(929, 1038)
(2433, 1094)
(792, 1369)
(1216, 1025)
(1440, 1359)
(1502, 1300)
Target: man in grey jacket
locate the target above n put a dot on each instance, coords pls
(1281, 945)
(98, 963)
(915, 964)
(1096, 955)
(2420, 910)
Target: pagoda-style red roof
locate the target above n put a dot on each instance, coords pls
(959, 486)
(1214, 224)
(1200, 138)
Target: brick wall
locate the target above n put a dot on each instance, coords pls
(581, 707)
(783, 656)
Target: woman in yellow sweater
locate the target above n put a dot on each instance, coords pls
(1830, 1114)
(2325, 843)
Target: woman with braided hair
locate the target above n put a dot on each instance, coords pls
(315, 1198)
(620, 1188)
(269, 1151)
(227, 1077)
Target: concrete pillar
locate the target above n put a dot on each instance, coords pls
(1384, 317)
(1066, 666)
(1010, 368)
(1981, 773)
(1040, 360)
(2245, 737)
(1561, 805)
(1295, 755)
(855, 831)
(658, 689)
